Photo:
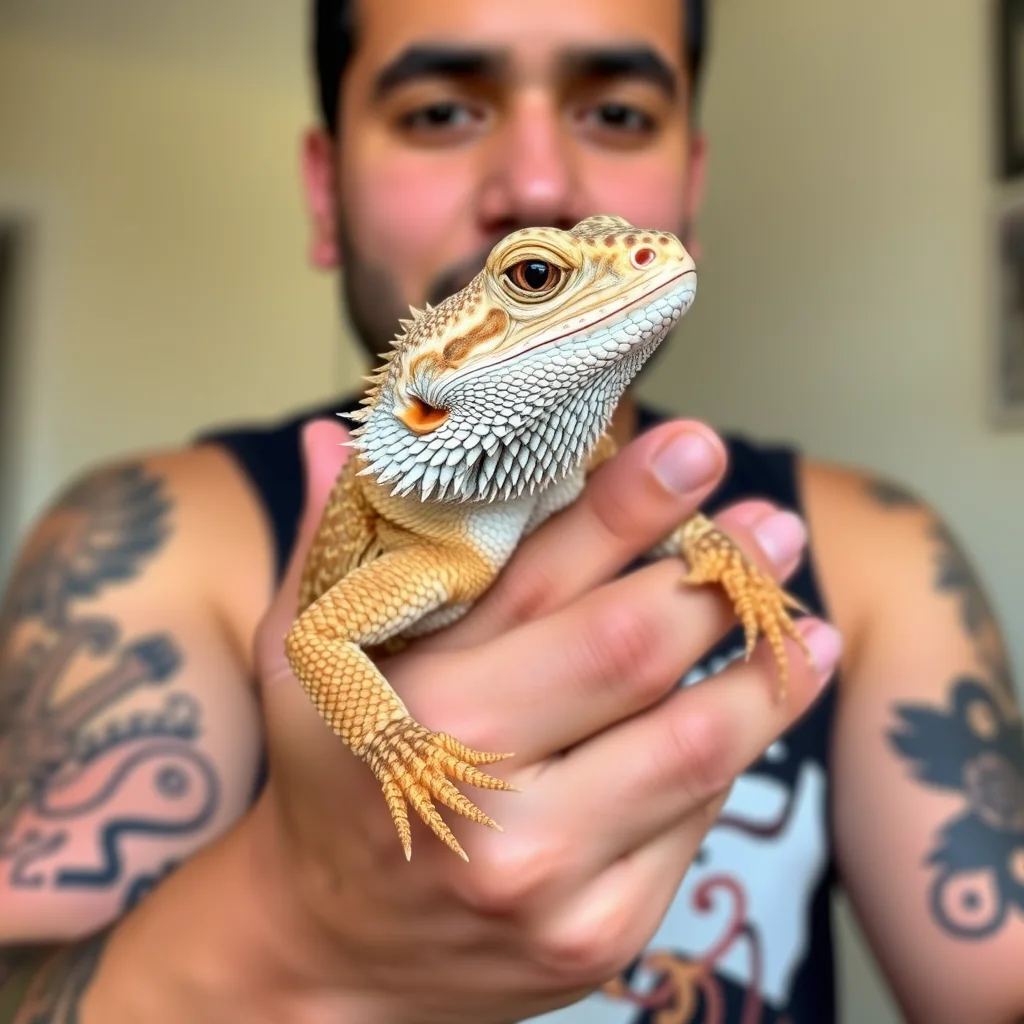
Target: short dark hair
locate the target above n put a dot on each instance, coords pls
(334, 40)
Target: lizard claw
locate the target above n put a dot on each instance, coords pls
(412, 765)
(760, 603)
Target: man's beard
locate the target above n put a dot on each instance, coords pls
(370, 297)
(374, 304)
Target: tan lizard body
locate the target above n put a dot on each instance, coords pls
(484, 420)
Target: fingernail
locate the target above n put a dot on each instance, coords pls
(781, 536)
(687, 462)
(825, 644)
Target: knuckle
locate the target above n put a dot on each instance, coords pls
(515, 878)
(586, 950)
(524, 592)
(693, 751)
(620, 644)
(615, 508)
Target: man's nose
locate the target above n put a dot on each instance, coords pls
(531, 176)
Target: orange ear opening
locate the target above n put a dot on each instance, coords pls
(420, 417)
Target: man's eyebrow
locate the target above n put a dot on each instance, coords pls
(437, 60)
(624, 61)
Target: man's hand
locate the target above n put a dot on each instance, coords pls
(620, 773)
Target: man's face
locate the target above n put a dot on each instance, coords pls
(464, 120)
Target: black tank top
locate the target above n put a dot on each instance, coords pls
(748, 936)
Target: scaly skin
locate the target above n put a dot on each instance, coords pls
(485, 419)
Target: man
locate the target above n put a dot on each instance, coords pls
(670, 854)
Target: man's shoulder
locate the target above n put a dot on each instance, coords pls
(871, 535)
(175, 477)
(192, 478)
(858, 499)
(185, 514)
(266, 454)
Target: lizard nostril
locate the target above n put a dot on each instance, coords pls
(642, 257)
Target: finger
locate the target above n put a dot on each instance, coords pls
(628, 505)
(555, 682)
(649, 773)
(609, 913)
(323, 454)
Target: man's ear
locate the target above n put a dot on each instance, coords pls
(319, 179)
(693, 198)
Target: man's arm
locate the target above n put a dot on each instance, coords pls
(128, 729)
(928, 754)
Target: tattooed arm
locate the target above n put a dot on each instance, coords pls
(128, 730)
(928, 754)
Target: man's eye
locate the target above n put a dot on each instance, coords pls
(622, 116)
(438, 115)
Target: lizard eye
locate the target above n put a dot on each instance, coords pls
(535, 277)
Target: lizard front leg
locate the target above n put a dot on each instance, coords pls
(365, 608)
(714, 557)
(760, 603)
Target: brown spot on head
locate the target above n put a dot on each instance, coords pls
(663, 240)
(426, 363)
(609, 240)
(460, 348)
(630, 240)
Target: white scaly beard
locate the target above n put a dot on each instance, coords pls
(519, 426)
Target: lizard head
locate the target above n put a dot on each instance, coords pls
(507, 384)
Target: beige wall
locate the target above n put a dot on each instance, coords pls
(169, 286)
(842, 300)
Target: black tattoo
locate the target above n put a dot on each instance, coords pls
(56, 764)
(973, 747)
(892, 494)
(46, 986)
(956, 576)
(107, 524)
(17, 965)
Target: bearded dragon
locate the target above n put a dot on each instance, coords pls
(484, 419)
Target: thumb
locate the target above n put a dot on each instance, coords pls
(323, 455)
